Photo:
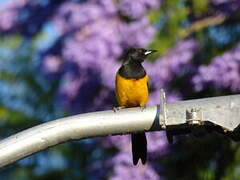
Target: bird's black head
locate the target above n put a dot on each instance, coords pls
(132, 67)
(137, 54)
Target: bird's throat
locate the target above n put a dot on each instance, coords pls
(132, 70)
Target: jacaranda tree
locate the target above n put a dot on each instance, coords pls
(59, 58)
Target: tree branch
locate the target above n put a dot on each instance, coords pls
(200, 24)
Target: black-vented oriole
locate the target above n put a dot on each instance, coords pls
(131, 89)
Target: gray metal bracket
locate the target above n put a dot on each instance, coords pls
(218, 112)
(163, 113)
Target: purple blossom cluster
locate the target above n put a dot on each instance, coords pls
(91, 52)
(122, 163)
(9, 14)
(26, 17)
(222, 73)
(136, 9)
(73, 16)
(124, 169)
(93, 35)
(171, 97)
(174, 64)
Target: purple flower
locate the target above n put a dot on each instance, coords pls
(72, 15)
(94, 48)
(154, 97)
(9, 13)
(136, 9)
(124, 169)
(157, 144)
(92, 45)
(108, 6)
(121, 142)
(52, 64)
(78, 89)
(223, 72)
(174, 63)
(138, 33)
(103, 101)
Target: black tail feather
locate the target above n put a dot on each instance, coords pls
(139, 148)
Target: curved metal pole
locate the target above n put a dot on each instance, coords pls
(222, 111)
(81, 126)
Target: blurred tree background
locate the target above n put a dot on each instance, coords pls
(59, 58)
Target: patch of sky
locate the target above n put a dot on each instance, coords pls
(47, 38)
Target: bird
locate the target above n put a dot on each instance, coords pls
(131, 90)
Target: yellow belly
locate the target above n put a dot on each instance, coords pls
(131, 92)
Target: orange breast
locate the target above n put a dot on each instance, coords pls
(131, 92)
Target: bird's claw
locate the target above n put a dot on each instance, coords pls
(115, 109)
(143, 107)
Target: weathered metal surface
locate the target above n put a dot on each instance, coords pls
(222, 111)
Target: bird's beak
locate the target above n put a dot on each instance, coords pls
(147, 52)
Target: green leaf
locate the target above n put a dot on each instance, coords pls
(200, 7)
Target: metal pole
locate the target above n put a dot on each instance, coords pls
(221, 111)
(81, 126)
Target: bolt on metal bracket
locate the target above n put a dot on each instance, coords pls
(194, 116)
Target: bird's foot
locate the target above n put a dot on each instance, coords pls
(143, 107)
(115, 109)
